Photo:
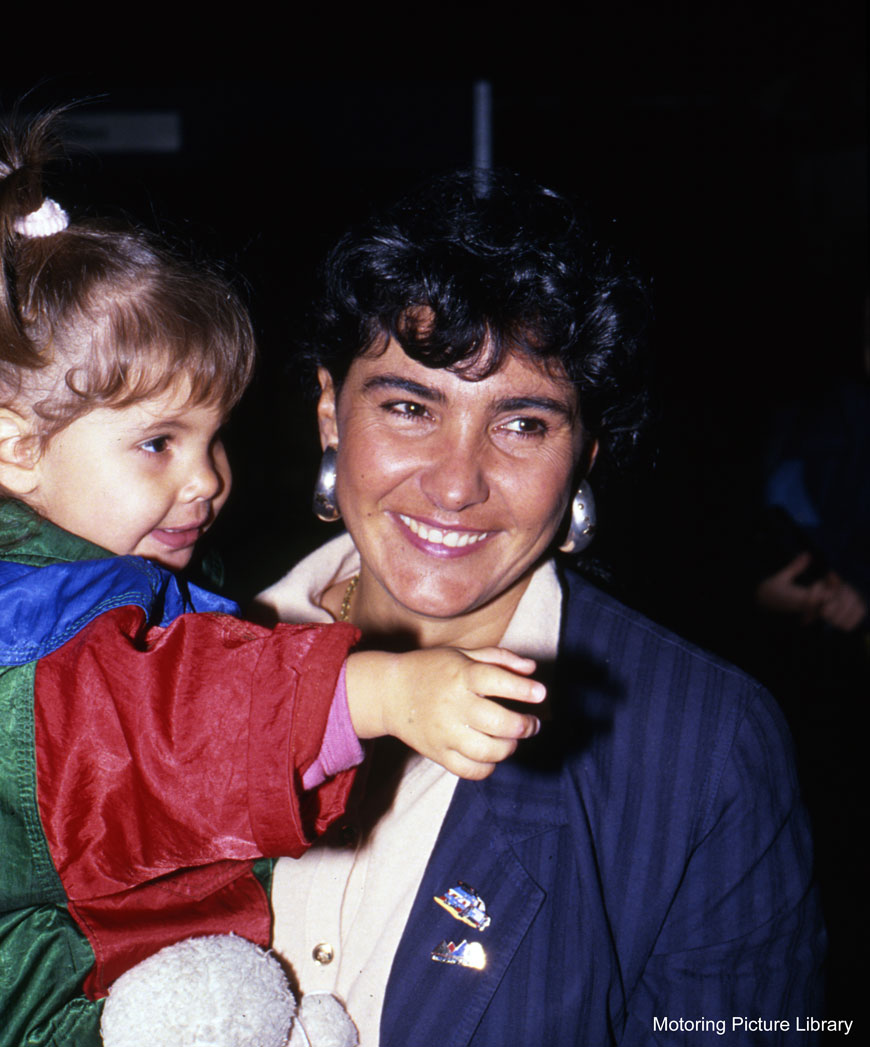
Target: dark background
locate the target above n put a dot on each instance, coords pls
(730, 148)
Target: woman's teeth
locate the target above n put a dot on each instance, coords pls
(438, 536)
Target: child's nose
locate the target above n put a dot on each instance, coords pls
(210, 477)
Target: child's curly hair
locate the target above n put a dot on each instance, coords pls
(95, 315)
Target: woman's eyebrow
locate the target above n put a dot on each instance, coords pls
(399, 383)
(405, 385)
(535, 403)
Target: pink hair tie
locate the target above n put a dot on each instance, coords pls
(48, 220)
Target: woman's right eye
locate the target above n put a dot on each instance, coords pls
(406, 409)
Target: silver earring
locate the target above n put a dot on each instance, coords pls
(582, 529)
(324, 504)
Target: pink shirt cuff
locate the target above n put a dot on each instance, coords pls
(340, 749)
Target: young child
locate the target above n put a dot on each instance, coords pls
(149, 756)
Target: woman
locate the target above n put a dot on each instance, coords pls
(644, 864)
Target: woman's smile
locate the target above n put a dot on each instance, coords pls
(441, 539)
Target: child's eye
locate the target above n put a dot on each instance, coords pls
(156, 445)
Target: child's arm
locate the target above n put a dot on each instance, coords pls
(436, 702)
(340, 749)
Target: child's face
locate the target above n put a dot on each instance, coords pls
(146, 479)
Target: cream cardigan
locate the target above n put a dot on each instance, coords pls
(341, 910)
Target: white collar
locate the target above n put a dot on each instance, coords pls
(533, 629)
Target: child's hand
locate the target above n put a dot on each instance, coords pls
(435, 701)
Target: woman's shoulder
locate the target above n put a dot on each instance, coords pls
(641, 716)
(651, 687)
(597, 623)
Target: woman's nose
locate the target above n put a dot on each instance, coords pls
(457, 479)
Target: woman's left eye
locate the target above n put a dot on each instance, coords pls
(526, 426)
(156, 445)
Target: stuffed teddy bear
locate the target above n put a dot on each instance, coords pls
(218, 991)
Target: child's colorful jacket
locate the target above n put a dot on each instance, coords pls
(148, 757)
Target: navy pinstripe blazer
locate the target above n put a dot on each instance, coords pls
(645, 859)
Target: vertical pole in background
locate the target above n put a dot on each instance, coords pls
(482, 134)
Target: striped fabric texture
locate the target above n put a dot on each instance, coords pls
(646, 863)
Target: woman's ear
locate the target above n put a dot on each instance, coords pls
(19, 454)
(586, 459)
(590, 454)
(327, 421)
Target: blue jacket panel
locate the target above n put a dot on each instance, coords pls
(645, 860)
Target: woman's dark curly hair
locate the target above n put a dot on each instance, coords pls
(473, 266)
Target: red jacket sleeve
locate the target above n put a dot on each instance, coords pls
(183, 746)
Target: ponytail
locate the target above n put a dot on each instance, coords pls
(93, 314)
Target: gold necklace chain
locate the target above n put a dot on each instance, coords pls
(348, 596)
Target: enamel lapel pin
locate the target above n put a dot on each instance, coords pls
(464, 904)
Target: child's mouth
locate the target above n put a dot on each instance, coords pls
(178, 537)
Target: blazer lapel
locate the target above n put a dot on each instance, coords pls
(424, 997)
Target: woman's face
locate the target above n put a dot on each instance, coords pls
(452, 489)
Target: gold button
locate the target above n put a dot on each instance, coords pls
(323, 953)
